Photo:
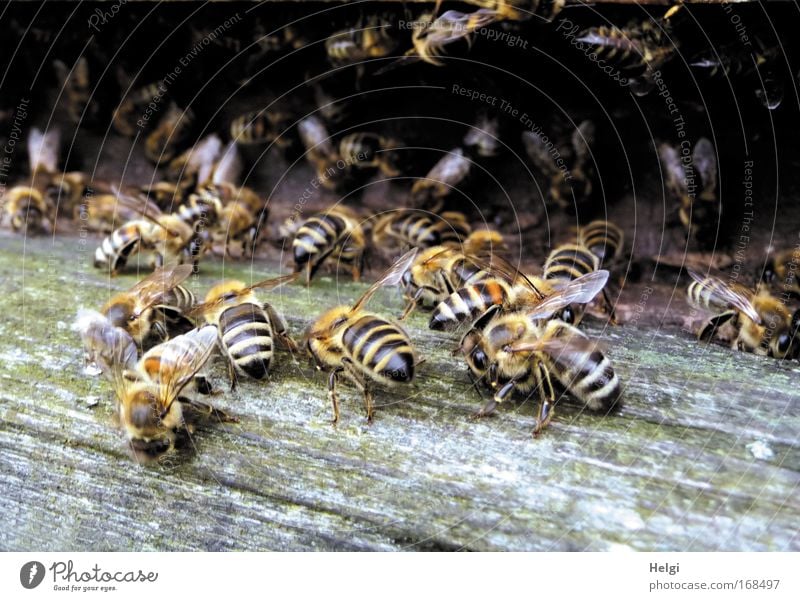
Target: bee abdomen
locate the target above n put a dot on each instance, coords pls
(467, 303)
(316, 236)
(247, 336)
(381, 348)
(594, 382)
(570, 262)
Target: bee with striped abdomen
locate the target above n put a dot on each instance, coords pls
(762, 324)
(161, 144)
(363, 346)
(694, 184)
(781, 272)
(605, 240)
(262, 127)
(130, 110)
(366, 40)
(430, 36)
(75, 90)
(27, 212)
(421, 229)
(518, 353)
(337, 233)
(482, 139)
(247, 327)
(367, 150)
(448, 174)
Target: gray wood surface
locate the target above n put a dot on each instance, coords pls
(704, 454)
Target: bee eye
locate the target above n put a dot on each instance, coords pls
(568, 315)
(783, 343)
(132, 318)
(479, 359)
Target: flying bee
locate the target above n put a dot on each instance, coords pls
(639, 49)
(172, 130)
(337, 232)
(569, 169)
(262, 127)
(483, 137)
(155, 307)
(27, 211)
(699, 212)
(76, 90)
(132, 107)
(430, 37)
(510, 290)
(363, 346)
(605, 240)
(521, 10)
(247, 327)
(761, 322)
(516, 352)
(360, 43)
(447, 175)
(365, 150)
(155, 395)
(569, 262)
(420, 229)
(780, 272)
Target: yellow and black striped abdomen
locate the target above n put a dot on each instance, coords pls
(247, 337)
(115, 250)
(469, 302)
(316, 237)
(569, 262)
(380, 348)
(590, 378)
(603, 239)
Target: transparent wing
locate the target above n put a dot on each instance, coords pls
(539, 153)
(110, 348)
(674, 172)
(154, 287)
(43, 149)
(391, 277)
(705, 161)
(180, 360)
(582, 139)
(727, 295)
(581, 290)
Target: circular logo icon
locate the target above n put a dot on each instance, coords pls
(31, 574)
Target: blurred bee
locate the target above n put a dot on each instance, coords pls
(75, 90)
(262, 127)
(521, 10)
(337, 232)
(172, 130)
(155, 308)
(640, 48)
(571, 174)
(431, 36)
(570, 262)
(196, 164)
(320, 151)
(447, 175)
(363, 346)
(333, 110)
(605, 240)
(105, 344)
(762, 324)
(27, 212)
(238, 225)
(416, 228)
(365, 150)
(247, 327)
(131, 109)
(780, 272)
(156, 395)
(367, 40)
(482, 139)
(699, 213)
(511, 290)
(516, 352)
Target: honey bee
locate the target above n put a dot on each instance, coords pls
(483, 137)
(521, 10)
(515, 352)
(237, 224)
(161, 143)
(450, 172)
(155, 307)
(105, 344)
(155, 394)
(762, 323)
(247, 327)
(320, 151)
(510, 292)
(75, 89)
(570, 262)
(27, 212)
(431, 36)
(780, 272)
(421, 229)
(699, 212)
(570, 174)
(605, 240)
(365, 150)
(197, 163)
(363, 346)
(639, 49)
(131, 108)
(262, 127)
(367, 40)
(337, 232)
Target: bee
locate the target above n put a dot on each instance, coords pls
(569, 170)
(510, 290)
(762, 323)
(337, 232)
(421, 229)
(570, 262)
(640, 48)
(155, 307)
(365, 150)
(262, 127)
(780, 272)
(357, 44)
(320, 151)
(605, 240)
(105, 344)
(161, 143)
(363, 346)
(693, 180)
(332, 109)
(521, 10)
(516, 352)
(482, 138)
(247, 327)
(64, 191)
(431, 36)
(197, 163)
(75, 89)
(27, 211)
(237, 224)
(131, 108)
(155, 394)
(450, 172)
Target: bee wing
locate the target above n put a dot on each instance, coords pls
(727, 295)
(43, 149)
(449, 167)
(705, 161)
(272, 283)
(139, 203)
(675, 174)
(539, 154)
(391, 277)
(500, 267)
(154, 287)
(581, 290)
(180, 360)
(111, 348)
(229, 168)
(572, 351)
(203, 156)
(582, 138)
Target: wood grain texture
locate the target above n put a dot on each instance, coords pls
(704, 455)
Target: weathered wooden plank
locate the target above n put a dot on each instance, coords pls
(703, 456)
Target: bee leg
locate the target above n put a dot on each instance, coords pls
(210, 411)
(546, 400)
(368, 405)
(232, 374)
(709, 330)
(356, 270)
(333, 377)
(360, 383)
(414, 301)
(609, 308)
